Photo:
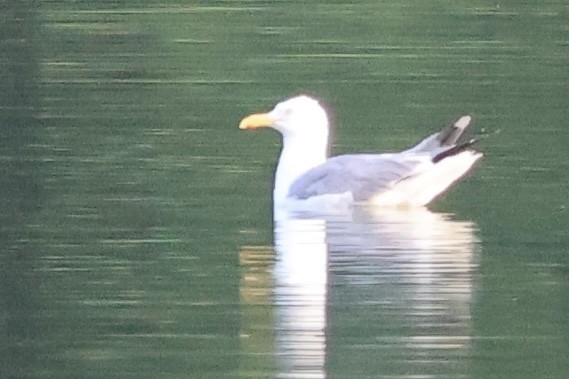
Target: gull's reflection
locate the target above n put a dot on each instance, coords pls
(300, 276)
(398, 281)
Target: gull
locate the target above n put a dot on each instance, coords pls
(406, 179)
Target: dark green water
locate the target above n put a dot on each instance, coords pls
(135, 225)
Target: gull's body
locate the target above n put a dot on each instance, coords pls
(411, 178)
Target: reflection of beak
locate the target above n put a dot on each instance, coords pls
(257, 120)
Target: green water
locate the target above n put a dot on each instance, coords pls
(136, 228)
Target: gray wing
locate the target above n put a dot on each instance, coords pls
(364, 175)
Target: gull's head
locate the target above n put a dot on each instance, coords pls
(300, 116)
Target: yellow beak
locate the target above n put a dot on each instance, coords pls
(257, 120)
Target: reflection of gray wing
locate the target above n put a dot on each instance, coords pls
(361, 174)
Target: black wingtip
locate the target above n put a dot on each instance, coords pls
(454, 150)
(456, 133)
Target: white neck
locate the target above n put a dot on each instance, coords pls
(297, 157)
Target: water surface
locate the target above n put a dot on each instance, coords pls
(135, 218)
